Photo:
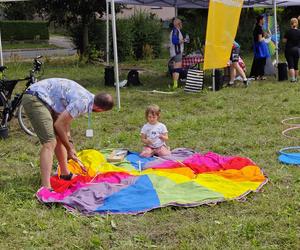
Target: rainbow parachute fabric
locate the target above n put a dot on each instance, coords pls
(269, 27)
(137, 184)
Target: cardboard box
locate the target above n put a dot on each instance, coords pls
(117, 155)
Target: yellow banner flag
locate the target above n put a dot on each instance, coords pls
(223, 20)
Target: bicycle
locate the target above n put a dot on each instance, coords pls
(12, 107)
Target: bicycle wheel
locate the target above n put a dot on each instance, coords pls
(25, 122)
(2, 106)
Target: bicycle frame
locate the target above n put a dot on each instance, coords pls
(10, 106)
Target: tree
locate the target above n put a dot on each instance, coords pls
(72, 13)
(18, 10)
(291, 11)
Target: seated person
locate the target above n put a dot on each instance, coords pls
(154, 134)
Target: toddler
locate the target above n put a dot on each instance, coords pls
(154, 134)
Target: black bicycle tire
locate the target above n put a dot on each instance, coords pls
(3, 103)
(22, 123)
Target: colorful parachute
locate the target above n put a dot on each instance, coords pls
(138, 184)
(269, 28)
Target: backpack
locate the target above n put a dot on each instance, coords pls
(109, 76)
(133, 78)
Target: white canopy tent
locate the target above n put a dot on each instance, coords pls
(181, 4)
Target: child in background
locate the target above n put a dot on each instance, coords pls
(154, 134)
(234, 65)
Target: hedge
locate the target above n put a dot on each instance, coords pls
(24, 30)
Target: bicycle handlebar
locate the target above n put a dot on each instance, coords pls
(37, 64)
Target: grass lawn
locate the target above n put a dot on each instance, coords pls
(10, 46)
(233, 121)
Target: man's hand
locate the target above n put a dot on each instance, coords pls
(72, 154)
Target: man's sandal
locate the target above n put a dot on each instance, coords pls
(66, 177)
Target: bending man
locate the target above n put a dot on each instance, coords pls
(51, 106)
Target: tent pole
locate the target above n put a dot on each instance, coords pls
(107, 32)
(276, 42)
(116, 63)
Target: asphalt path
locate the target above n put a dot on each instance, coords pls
(28, 54)
(66, 49)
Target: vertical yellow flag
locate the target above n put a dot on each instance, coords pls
(223, 20)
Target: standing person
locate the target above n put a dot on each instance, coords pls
(235, 66)
(261, 51)
(292, 39)
(51, 106)
(176, 49)
(154, 134)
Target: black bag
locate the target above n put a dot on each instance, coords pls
(282, 72)
(218, 79)
(109, 76)
(133, 78)
(194, 80)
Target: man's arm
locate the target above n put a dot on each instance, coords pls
(62, 128)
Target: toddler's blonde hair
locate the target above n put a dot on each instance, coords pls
(152, 109)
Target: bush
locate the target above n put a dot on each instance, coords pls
(147, 33)
(194, 24)
(139, 37)
(24, 30)
(97, 38)
(124, 39)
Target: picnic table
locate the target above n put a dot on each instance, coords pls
(191, 60)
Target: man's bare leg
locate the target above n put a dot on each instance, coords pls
(61, 155)
(46, 161)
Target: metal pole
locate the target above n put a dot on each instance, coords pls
(276, 42)
(1, 52)
(214, 80)
(107, 32)
(116, 64)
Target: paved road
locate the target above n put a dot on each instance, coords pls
(67, 49)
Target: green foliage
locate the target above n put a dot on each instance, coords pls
(19, 10)
(244, 34)
(146, 32)
(125, 39)
(194, 24)
(24, 30)
(78, 13)
(97, 38)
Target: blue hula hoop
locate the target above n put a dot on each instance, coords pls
(290, 158)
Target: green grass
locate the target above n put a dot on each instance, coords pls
(233, 121)
(10, 46)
